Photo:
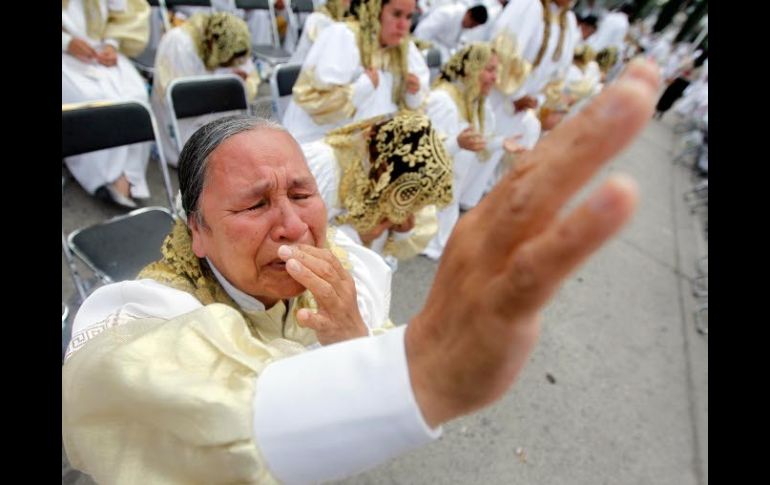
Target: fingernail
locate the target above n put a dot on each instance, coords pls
(284, 252)
(603, 201)
(293, 265)
(638, 69)
(607, 199)
(618, 103)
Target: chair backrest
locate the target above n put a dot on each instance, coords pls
(253, 4)
(263, 5)
(303, 6)
(302, 9)
(202, 95)
(281, 84)
(145, 61)
(117, 248)
(188, 3)
(433, 60)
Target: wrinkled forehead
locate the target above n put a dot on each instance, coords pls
(255, 154)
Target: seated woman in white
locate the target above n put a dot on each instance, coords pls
(583, 78)
(458, 107)
(332, 11)
(382, 180)
(214, 43)
(358, 69)
(96, 38)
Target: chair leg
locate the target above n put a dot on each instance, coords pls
(76, 279)
(65, 313)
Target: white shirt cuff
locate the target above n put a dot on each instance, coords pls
(338, 410)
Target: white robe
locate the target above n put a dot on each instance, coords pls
(524, 20)
(611, 32)
(177, 57)
(443, 27)
(427, 6)
(358, 390)
(337, 61)
(470, 175)
(588, 77)
(95, 82)
(483, 33)
(314, 25)
(259, 26)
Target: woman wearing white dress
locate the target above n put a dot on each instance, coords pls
(460, 111)
(97, 35)
(584, 78)
(206, 43)
(332, 11)
(358, 69)
(382, 180)
(535, 40)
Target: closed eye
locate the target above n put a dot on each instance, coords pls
(258, 205)
(300, 196)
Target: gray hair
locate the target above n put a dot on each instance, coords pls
(193, 161)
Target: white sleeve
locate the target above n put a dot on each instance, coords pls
(520, 18)
(431, 26)
(332, 68)
(338, 410)
(445, 117)
(325, 169)
(136, 298)
(418, 67)
(362, 90)
(324, 56)
(176, 57)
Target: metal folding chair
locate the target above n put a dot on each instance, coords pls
(271, 53)
(194, 96)
(115, 249)
(281, 84)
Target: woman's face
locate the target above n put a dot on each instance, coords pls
(395, 20)
(488, 75)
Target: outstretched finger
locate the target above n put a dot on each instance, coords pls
(526, 201)
(539, 266)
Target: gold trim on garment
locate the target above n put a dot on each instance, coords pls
(425, 228)
(180, 268)
(411, 169)
(324, 102)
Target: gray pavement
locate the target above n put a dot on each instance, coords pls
(617, 390)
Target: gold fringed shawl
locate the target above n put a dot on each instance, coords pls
(180, 268)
